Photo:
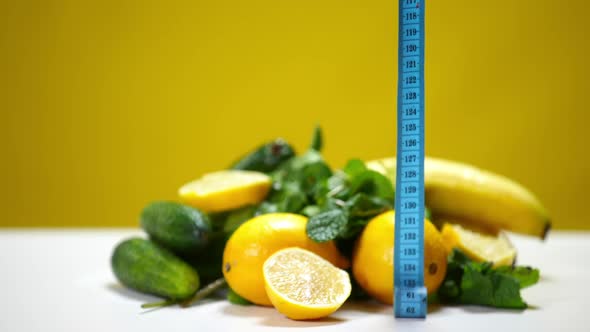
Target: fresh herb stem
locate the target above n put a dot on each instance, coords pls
(340, 203)
(317, 140)
(205, 291)
(335, 191)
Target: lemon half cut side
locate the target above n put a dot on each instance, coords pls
(302, 285)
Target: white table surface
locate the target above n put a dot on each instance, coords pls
(60, 280)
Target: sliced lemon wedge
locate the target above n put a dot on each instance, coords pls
(478, 246)
(226, 190)
(302, 285)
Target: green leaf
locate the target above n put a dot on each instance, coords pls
(293, 203)
(313, 177)
(267, 207)
(374, 184)
(493, 289)
(291, 169)
(234, 298)
(291, 198)
(363, 205)
(309, 157)
(469, 282)
(331, 204)
(311, 210)
(354, 167)
(526, 276)
(334, 187)
(238, 217)
(338, 186)
(506, 292)
(317, 140)
(449, 291)
(475, 287)
(327, 225)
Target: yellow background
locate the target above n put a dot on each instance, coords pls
(107, 105)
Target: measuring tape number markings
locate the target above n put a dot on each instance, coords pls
(410, 296)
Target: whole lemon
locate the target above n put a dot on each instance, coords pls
(372, 261)
(258, 238)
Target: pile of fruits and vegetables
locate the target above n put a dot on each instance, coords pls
(286, 230)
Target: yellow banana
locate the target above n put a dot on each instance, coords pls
(462, 192)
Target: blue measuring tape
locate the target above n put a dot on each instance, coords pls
(410, 297)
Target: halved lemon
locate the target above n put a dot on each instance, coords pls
(478, 246)
(226, 190)
(302, 285)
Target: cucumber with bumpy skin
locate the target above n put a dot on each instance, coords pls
(266, 158)
(149, 268)
(180, 228)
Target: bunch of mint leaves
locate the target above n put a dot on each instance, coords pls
(339, 203)
(469, 282)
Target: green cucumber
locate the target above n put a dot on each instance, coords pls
(266, 158)
(149, 268)
(180, 228)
